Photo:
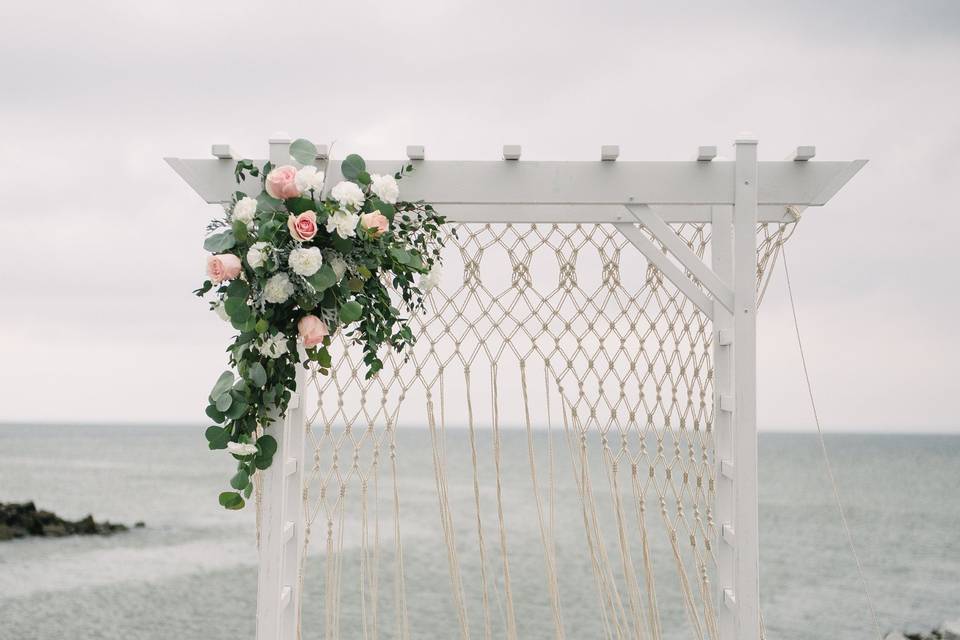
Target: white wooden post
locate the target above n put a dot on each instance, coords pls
(745, 525)
(721, 255)
(281, 521)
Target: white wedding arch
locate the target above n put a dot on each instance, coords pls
(621, 314)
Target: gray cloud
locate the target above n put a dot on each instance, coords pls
(101, 239)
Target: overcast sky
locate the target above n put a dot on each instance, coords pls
(101, 240)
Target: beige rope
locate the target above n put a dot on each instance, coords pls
(629, 363)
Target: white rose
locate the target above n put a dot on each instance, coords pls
(385, 187)
(348, 195)
(274, 347)
(339, 266)
(241, 449)
(309, 178)
(430, 279)
(221, 311)
(245, 210)
(278, 288)
(344, 223)
(257, 254)
(305, 262)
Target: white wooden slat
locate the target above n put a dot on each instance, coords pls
(586, 213)
(745, 521)
(804, 153)
(684, 254)
(721, 261)
(706, 154)
(568, 183)
(511, 152)
(609, 152)
(727, 534)
(670, 271)
(222, 152)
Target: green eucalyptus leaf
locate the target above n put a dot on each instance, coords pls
(261, 326)
(224, 402)
(350, 311)
(237, 309)
(267, 445)
(268, 203)
(240, 480)
(220, 242)
(214, 414)
(231, 500)
(248, 490)
(400, 255)
(217, 437)
(352, 166)
(224, 382)
(323, 279)
(303, 151)
(240, 231)
(257, 375)
(299, 205)
(238, 405)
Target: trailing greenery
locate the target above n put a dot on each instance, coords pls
(294, 265)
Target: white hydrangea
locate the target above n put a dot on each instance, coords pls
(339, 266)
(430, 279)
(278, 288)
(274, 346)
(257, 254)
(305, 262)
(245, 210)
(344, 223)
(241, 449)
(348, 195)
(309, 178)
(385, 187)
(221, 310)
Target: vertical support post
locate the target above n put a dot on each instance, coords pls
(281, 509)
(746, 524)
(721, 256)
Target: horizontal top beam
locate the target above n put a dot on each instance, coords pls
(490, 183)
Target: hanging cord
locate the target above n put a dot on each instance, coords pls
(826, 457)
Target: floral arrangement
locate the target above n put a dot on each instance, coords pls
(293, 266)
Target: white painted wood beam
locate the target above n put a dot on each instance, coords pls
(670, 271)
(416, 152)
(660, 230)
(567, 183)
(609, 152)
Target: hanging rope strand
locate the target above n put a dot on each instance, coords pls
(826, 455)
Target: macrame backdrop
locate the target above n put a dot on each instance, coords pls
(560, 401)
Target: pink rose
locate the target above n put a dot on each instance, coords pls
(304, 226)
(222, 267)
(282, 182)
(312, 330)
(376, 223)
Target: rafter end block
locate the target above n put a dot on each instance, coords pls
(511, 152)
(609, 152)
(416, 152)
(222, 151)
(804, 153)
(323, 152)
(725, 337)
(726, 403)
(706, 154)
(280, 137)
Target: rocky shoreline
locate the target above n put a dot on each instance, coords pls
(20, 520)
(949, 630)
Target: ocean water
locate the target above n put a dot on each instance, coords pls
(191, 572)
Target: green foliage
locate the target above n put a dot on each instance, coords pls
(303, 151)
(362, 303)
(220, 242)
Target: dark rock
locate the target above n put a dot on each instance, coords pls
(18, 520)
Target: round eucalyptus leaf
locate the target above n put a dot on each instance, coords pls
(303, 151)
